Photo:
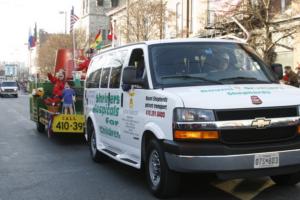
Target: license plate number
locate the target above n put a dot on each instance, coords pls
(266, 160)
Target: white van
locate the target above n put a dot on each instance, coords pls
(192, 105)
(9, 88)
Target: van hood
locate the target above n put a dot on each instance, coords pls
(238, 96)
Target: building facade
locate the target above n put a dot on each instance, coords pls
(192, 18)
(93, 18)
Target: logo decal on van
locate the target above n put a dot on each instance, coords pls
(260, 123)
(256, 100)
(131, 94)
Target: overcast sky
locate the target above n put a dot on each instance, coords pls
(18, 16)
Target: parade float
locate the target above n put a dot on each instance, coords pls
(46, 102)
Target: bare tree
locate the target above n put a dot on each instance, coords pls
(46, 53)
(266, 23)
(144, 20)
(80, 39)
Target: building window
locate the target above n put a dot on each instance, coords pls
(100, 2)
(280, 6)
(114, 3)
(87, 6)
(210, 14)
(193, 13)
(285, 4)
(83, 6)
(104, 36)
(178, 18)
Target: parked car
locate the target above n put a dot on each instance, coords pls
(9, 88)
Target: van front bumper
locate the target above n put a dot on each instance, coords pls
(218, 158)
(224, 163)
(9, 93)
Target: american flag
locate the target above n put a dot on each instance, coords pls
(73, 19)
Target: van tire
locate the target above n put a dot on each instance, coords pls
(40, 127)
(156, 167)
(287, 179)
(96, 155)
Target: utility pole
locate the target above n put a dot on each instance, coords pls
(187, 18)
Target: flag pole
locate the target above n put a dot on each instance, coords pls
(73, 38)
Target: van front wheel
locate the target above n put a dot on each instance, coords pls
(161, 180)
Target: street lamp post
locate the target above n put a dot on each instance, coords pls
(64, 12)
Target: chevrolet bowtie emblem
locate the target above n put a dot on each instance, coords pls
(260, 123)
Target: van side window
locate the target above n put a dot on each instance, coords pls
(115, 77)
(93, 79)
(137, 60)
(116, 62)
(105, 77)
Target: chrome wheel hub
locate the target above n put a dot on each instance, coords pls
(154, 168)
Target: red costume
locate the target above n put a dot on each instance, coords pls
(58, 88)
(285, 78)
(83, 66)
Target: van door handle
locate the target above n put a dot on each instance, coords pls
(122, 100)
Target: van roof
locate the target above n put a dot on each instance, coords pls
(181, 40)
(177, 40)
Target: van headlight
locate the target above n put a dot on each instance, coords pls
(193, 115)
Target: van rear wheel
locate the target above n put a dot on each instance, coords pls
(97, 156)
(287, 179)
(161, 180)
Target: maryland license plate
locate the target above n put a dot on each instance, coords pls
(266, 160)
(68, 124)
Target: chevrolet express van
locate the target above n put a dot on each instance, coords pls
(9, 88)
(192, 105)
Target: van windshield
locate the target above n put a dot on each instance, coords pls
(9, 84)
(205, 63)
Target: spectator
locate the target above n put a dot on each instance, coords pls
(298, 74)
(292, 78)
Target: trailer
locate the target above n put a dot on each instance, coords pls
(51, 118)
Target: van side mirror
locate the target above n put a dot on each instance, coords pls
(129, 77)
(278, 70)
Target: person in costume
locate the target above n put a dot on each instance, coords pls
(59, 85)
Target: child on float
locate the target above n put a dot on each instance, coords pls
(68, 99)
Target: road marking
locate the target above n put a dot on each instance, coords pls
(245, 189)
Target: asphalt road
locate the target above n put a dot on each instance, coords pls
(35, 167)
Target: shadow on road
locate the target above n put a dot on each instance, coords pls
(67, 139)
(64, 139)
(193, 186)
